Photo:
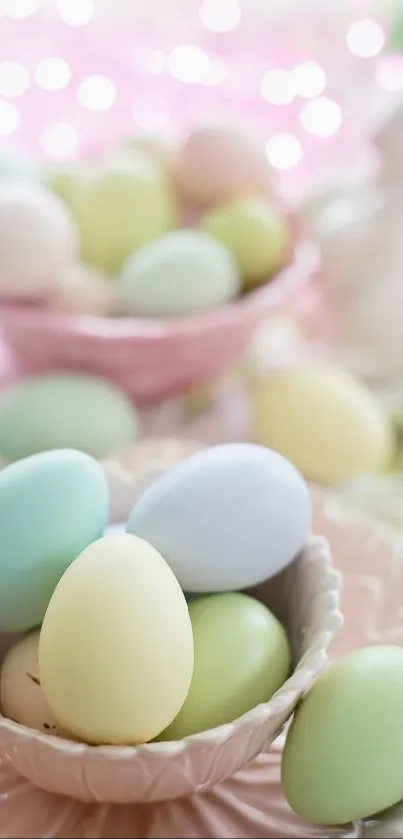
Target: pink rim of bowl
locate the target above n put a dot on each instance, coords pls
(152, 359)
(306, 597)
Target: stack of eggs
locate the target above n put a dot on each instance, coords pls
(117, 650)
(147, 231)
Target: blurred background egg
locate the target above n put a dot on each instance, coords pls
(241, 657)
(324, 421)
(257, 234)
(18, 167)
(65, 411)
(218, 163)
(120, 205)
(116, 644)
(21, 696)
(163, 150)
(83, 290)
(38, 238)
(344, 750)
(52, 505)
(226, 518)
(183, 272)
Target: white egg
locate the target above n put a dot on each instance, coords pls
(21, 696)
(227, 518)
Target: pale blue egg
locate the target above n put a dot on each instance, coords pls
(52, 505)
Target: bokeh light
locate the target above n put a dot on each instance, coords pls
(151, 112)
(14, 79)
(278, 87)
(321, 117)
(189, 64)
(60, 141)
(389, 73)
(220, 15)
(76, 12)
(53, 73)
(309, 79)
(97, 93)
(365, 38)
(19, 9)
(284, 151)
(9, 118)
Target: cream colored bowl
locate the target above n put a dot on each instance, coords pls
(306, 598)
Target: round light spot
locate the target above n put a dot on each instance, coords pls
(76, 12)
(389, 73)
(14, 79)
(53, 74)
(217, 72)
(365, 38)
(189, 64)
(60, 141)
(309, 79)
(278, 87)
(9, 118)
(151, 112)
(19, 9)
(321, 117)
(284, 151)
(97, 93)
(222, 16)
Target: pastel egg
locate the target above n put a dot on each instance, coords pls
(116, 644)
(17, 167)
(82, 290)
(52, 505)
(241, 657)
(256, 232)
(38, 238)
(344, 750)
(120, 205)
(227, 518)
(163, 150)
(182, 272)
(21, 695)
(219, 162)
(65, 411)
(329, 425)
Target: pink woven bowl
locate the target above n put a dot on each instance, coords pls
(150, 359)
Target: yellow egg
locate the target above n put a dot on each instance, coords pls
(116, 644)
(324, 421)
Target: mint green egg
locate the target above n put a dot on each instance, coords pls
(241, 657)
(52, 505)
(18, 167)
(343, 758)
(65, 411)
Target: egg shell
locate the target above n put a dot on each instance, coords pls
(163, 150)
(324, 421)
(52, 506)
(344, 750)
(220, 162)
(65, 411)
(38, 237)
(241, 657)
(256, 233)
(120, 205)
(227, 518)
(116, 644)
(18, 167)
(82, 290)
(21, 696)
(182, 272)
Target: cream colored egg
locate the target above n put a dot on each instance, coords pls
(116, 645)
(83, 290)
(38, 238)
(324, 421)
(21, 696)
(163, 150)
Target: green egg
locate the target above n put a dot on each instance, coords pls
(65, 411)
(241, 657)
(343, 758)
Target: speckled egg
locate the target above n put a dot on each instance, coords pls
(183, 272)
(218, 163)
(324, 421)
(52, 505)
(65, 411)
(38, 238)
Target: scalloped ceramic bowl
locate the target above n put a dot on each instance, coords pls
(151, 359)
(305, 597)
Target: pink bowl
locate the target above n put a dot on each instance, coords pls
(150, 359)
